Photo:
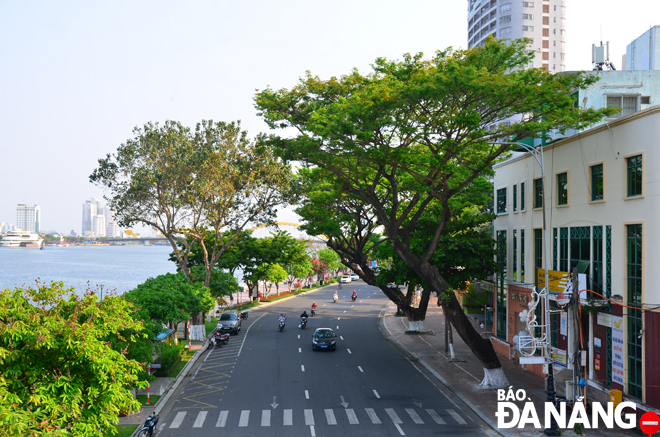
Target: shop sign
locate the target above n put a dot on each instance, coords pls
(563, 325)
(617, 349)
(597, 342)
(559, 356)
(520, 297)
(604, 319)
(597, 364)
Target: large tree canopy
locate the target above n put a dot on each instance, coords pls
(186, 184)
(414, 134)
(58, 374)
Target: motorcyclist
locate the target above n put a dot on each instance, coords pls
(313, 308)
(354, 295)
(335, 296)
(304, 315)
(281, 318)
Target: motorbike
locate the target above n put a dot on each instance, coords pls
(149, 426)
(219, 339)
(281, 325)
(354, 297)
(313, 311)
(335, 298)
(244, 315)
(303, 322)
(340, 286)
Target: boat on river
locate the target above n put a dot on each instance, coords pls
(21, 239)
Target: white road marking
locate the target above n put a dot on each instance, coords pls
(337, 326)
(368, 297)
(349, 351)
(435, 416)
(245, 418)
(199, 421)
(298, 335)
(311, 428)
(341, 337)
(208, 355)
(378, 396)
(178, 419)
(372, 415)
(352, 418)
(395, 418)
(306, 394)
(196, 371)
(414, 416)
(309, 417)
(399, 428)
(302, 367)
(265, 417)
(246, 334)
(338, 318)
(344, 310)
(300, 350)
(160, 428)
(222, 420)
(288, 417)
(360, 369)
(457, 417)
(330, 417)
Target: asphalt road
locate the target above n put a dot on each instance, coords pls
(270, 383)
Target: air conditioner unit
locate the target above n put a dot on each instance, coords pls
(569, 390)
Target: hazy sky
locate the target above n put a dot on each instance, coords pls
(77, 76)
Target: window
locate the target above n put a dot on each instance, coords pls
(563, 32)
(562, 189)
(528, 4)
(563, 21)
(522, 196)
(627, 104)
(528, 16)
(538, 248)
(528, 28)
(554, 54)
(501, 285)
(645, 100)
(563, 10)
(515, 198)
(597, 183)
(505, 31)
(522, 255)
(634, 270)
(562, 45)
(501, 201)
(634, 175)
(597, 276)
(538, 193)
(505, 19)
(515, 255)
(580, 247)
(506, 7)
(562, 56)
(563, 249)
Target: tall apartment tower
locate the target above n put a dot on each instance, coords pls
(28, 218)
(543, 21)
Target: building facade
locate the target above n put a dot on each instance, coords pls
(28, 218)
(644, 52)
(95, 218)
(543, 21)
(601, 195)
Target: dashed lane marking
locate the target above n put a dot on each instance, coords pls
(352, 418)
(288, 417)
(378, 396)
(265, 417)
(360, 369)
(330, 417)
(309, 417)
(306, 394)
(372, 415)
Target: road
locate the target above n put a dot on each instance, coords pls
(270, 383)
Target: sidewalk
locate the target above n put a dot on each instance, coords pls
(464, 375)
(157, 388)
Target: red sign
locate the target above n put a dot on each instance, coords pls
(649, 423)
(597, 364)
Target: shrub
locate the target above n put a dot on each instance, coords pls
(169, 356)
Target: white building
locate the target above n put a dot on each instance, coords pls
(111, 230)
(644, 52)
(602, 200)
(28, 218)
(95, 218)
(543, 21)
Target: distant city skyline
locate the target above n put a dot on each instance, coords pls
(79, 76)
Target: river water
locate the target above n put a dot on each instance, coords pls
(118, 268)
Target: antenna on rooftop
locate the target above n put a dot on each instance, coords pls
(600, 56)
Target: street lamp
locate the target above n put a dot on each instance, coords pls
(101, 285)
(537, 153)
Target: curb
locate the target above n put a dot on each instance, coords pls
(444, 382)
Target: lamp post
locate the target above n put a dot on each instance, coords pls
(550, 390)
(101, 285)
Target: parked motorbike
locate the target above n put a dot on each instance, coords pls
(244, 315)
(303, 322)
(149, 426)
(219, 339)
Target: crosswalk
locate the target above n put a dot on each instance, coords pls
(328, 416)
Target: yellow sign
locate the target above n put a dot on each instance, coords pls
(558, 280)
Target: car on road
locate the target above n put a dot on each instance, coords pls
(324, 338)
(345, 279)
(230, 321)
(354, 277)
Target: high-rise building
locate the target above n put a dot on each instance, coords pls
(111, 229)
(543, 21)
(644, 52)
(89, 210)
(95, 217)
(28, 218)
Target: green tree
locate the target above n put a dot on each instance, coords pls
(221, 285)
(330, 258)
(274, 273)
(186, 184)
(415, 134)
(170, 298)
(58, 374)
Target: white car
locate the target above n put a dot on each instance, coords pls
(354, 277)
(345, 279)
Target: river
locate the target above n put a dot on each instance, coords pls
(118, 268)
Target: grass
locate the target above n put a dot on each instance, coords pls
(125, 430)
(187, 355)
(152, 399)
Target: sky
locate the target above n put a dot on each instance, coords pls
(77, 76)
